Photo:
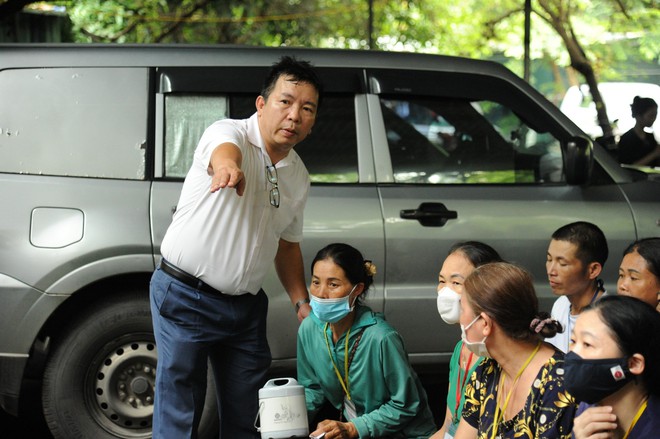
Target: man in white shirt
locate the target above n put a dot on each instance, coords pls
(240, 209)
(576, 257)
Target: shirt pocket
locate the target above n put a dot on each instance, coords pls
(284, 215)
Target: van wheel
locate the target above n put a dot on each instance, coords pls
(99, 381)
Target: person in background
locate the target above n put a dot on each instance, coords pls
(352, 358)
(613, 369)
(576, 256)
(639, 272)
(241, 208)
(638, 146)
(462, 259)
(518, 391)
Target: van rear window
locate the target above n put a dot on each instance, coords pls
(79, 122)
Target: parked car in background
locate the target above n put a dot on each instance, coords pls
(578, 105)
(410, 154)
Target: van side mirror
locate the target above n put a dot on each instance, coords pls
(578, 160)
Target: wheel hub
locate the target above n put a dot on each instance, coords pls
(125, 385)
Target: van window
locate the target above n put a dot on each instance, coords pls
(329, 152)
(186, 118)
(449, 140)
(83, 122)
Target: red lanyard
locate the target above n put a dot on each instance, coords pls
(460, 384)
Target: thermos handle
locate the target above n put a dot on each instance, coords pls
(261, 407)
(276, 382)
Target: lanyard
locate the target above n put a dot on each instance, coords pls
(636, 418)
(347, 359)
(460, 384)
(498, 411)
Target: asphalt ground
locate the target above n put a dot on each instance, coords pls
(33, 426)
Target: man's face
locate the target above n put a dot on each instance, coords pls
(287, 117)
(566, 273)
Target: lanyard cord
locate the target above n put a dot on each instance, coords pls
(499, 413)
(460, 384)
(636, 418)
(347, 359)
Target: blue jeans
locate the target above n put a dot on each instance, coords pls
(192, 327)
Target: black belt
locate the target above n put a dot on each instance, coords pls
(186, 278)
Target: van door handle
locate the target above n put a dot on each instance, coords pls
(430, 214)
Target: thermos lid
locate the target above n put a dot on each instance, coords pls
(281, 387)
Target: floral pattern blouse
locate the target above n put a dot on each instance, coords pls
(548, 411)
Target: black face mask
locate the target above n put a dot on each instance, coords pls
(592, 380)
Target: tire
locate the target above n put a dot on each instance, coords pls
(99, 381)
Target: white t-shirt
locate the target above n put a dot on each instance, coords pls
(229, 241)
(561, 311)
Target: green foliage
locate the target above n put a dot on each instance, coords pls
(610, 32)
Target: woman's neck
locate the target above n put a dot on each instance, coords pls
(639, 130)
(339, 328)
(512, 354)
(625, 404)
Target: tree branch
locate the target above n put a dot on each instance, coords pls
(171, 29)
(491, 24)
(623, 9)
(98, 38)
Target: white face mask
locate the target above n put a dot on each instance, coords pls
(449, 305)
(476, 347)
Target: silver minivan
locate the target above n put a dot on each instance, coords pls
(411, 153)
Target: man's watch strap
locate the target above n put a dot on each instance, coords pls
(300, 303)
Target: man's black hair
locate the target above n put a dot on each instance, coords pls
(296, 70)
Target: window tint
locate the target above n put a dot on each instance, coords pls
(186, 118)
(459, 141)
(329, 152)
(82, 122)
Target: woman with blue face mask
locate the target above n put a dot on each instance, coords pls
(517, 391)
(351, 358)
(462, 259)
(613, 369)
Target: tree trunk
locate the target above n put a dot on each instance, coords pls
(559, 19)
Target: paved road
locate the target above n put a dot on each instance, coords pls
(13, 428)
(35, 428)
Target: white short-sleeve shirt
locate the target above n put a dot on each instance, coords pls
(229, 241)
(561, 311)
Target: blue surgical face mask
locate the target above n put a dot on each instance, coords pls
(332, 310)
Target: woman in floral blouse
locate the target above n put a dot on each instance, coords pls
(518, 391)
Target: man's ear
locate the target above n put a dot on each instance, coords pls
(594, 269)
(636, 364)
(260, 102)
